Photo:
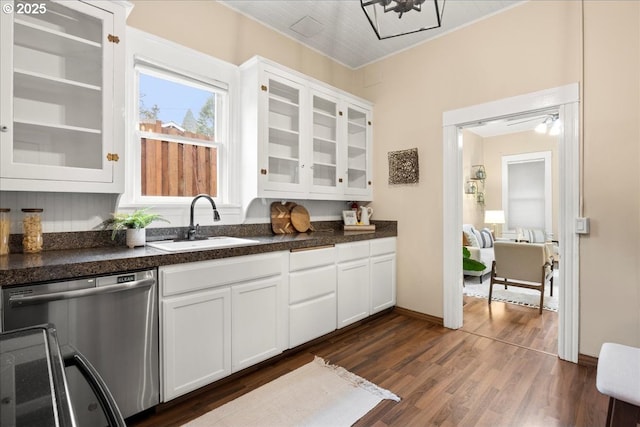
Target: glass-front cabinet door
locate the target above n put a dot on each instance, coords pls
(282, 166)
(358, 151)
(57, 82)
(324, 145)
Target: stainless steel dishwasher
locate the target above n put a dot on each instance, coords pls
(111, 320)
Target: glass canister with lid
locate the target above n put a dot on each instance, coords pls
(32, 229)
(5, 230)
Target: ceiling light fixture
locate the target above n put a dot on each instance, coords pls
(387, 25)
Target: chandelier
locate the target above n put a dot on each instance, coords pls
(393, 18)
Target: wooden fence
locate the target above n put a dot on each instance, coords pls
(177, 169)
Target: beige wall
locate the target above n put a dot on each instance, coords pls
(531, 47)
(519, 143)
(495, 58)
(472, 154)
(610, 255)
(219, 31)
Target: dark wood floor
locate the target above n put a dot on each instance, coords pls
(513, 324)
(467, 377)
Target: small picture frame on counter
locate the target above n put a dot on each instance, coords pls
(349, 217)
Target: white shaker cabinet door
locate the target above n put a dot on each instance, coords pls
(353, 291)
(196, 340)
(383, 282)
(258, 328)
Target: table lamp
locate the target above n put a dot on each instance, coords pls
(494, 218)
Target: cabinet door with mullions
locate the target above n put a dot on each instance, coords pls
(282, 164)
(58, 91)
(325, 123)
(358, 181)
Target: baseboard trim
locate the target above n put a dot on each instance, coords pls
(589, 361)
(410, 313)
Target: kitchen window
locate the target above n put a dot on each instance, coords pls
(181, 111)
(182, 134)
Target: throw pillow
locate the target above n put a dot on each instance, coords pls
(478, 237)
(465, 241)
(487, 238)
(471, 238)
(525, 235)
(537, 236)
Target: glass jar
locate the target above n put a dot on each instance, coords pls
(32, 229)
(5, 228)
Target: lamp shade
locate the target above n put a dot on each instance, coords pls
(494, 217)
(392, 18)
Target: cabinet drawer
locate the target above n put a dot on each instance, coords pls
(177, 279)
(311, 258)
(313, 283)
(311, 319)
(383, 246)
(351, 251)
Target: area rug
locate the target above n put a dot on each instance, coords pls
(513, 295)
(316, 394)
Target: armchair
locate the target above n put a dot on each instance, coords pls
(524, 265)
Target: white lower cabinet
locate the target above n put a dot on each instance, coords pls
(220, 316)
(383, 274)
(196, 340)
(353, 282)
(256, 322)
(312, 294)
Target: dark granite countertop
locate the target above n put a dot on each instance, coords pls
(67, 263)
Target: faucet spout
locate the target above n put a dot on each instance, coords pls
(191, 233)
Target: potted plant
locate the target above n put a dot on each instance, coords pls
(135, 224)
(469, 263)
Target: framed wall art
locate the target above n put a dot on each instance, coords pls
(403, 167)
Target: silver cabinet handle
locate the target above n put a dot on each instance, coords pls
(312, 248)
(20, 300)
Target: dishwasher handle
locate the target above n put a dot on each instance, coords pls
(22, 300)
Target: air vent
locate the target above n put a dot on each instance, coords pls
(307, 27)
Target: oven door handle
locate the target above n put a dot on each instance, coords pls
(21, 300)
(105, 398)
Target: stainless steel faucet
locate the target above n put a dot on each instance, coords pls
(193, 229)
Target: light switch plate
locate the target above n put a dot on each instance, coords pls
(582, 225)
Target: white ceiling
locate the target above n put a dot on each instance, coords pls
(344, 33)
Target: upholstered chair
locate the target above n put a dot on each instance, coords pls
(524, 265)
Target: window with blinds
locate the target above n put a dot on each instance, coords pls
(526, 191)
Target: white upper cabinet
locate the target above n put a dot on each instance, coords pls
(325, 149)
(302, 138)
(281, 161)
(62, 88)
(358, 151)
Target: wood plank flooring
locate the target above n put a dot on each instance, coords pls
(512, 323)
(466, 377)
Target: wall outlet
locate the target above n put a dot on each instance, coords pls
(582, 225)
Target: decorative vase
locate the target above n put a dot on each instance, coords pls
(136, 237)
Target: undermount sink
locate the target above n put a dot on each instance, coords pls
(218, 242)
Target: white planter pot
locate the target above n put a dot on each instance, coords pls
(136, 237)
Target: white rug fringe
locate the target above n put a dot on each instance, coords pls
(358, 381)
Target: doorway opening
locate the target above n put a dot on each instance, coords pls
(565, 100)
(519, 203)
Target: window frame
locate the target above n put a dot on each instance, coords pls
(221, 144)
(541, 156)
(154, 54)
